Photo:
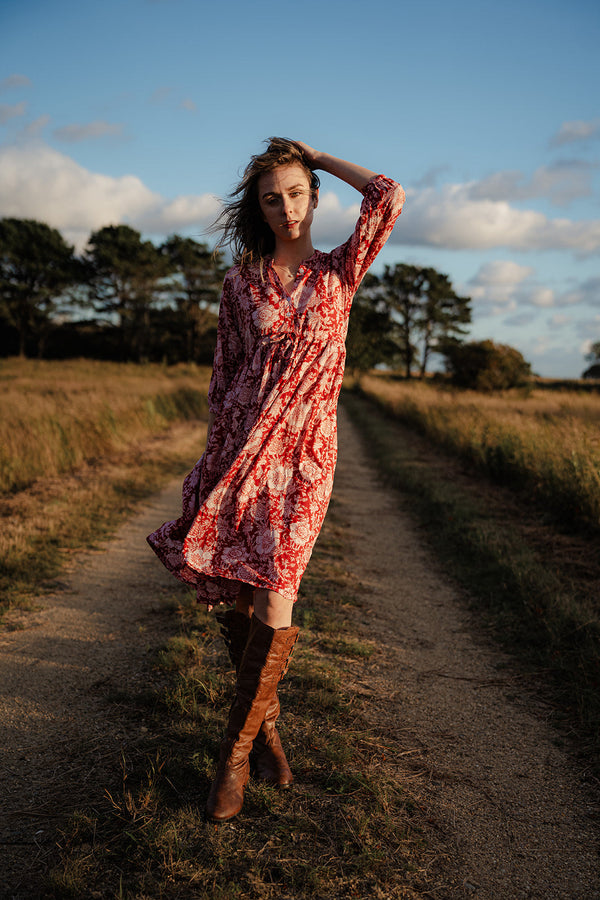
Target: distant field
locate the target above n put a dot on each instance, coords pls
(54, 416)
(80, 443)
(544, 442)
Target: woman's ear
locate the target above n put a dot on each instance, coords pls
(315, 196)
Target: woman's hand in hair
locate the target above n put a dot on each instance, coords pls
(357, 176)
(310, 153)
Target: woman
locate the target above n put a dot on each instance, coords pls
(255, 502)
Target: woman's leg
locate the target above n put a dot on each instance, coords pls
(245, 600)
(272, 608)
(263, 665)
(269, 758)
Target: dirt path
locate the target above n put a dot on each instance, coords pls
(59, 740)
(487, 767)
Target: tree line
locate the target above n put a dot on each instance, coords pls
(125, 298)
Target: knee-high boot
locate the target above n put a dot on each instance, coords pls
(263, 665)
(268, 755)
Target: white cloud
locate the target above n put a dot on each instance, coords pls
(588, 292)
(494, 288)
(559, 320)
(89, 130)
(14, 81)
(332, 223)
(578, 130)
(451, 218)
(188, 104)
(501, 272)
(38, 182)
(8, 112)
(543, 297)
(561, 183)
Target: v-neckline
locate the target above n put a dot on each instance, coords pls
(297, 280)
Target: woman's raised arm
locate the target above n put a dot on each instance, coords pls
(357, 176)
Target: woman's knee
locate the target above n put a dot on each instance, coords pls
(272, 608)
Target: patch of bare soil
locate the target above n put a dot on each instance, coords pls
(477, 748)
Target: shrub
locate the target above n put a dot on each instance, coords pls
(485, 366)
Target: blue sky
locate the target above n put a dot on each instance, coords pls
(145, 111)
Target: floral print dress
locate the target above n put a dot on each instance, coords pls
(255, 502)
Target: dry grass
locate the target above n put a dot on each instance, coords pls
(544, 442)
(81, 442)
(55, 416)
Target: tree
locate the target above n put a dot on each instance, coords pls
(593, 357)
(443, 315)
(125, 276)
(36, 267)
(428, 311)
(372, 337)
(485, 366)
(195, 288)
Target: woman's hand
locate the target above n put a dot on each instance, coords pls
(357, 176)
(310, 153)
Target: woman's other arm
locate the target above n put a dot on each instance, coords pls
(356, 176)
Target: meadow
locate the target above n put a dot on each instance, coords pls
(541, 442)
(80, 443)
(55, 416)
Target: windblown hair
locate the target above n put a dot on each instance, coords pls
(241, 222)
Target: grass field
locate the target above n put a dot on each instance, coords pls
(545, 443)
(80, 443)
(56, 416)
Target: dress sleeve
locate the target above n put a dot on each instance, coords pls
(382, 204)
(229, 350)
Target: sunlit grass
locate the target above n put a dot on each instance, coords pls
(54, 416)
(544, 442)
(80, 443)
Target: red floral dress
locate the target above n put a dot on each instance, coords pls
(255, 502)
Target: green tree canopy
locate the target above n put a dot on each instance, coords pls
(485, 366)
(195, 288)
(413, 309)
(125, 277)
(36, 267)
(371, 338)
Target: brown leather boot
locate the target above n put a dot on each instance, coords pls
(267, 755)
(263, 665)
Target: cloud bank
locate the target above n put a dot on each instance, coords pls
(38, 181)
(457, 217)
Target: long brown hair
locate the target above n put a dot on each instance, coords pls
(241, 222)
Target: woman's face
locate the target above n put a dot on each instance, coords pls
(287, 201)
